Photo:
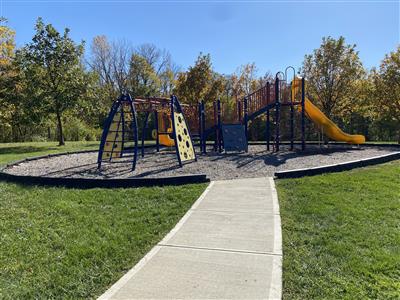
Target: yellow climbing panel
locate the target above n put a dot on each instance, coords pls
(185, 145)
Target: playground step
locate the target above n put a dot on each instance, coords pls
(228, 245)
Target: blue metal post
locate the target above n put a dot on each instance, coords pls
(277, 114)
(174, 130)
(135, 130)
(200, 127)
(107, 124)
(268, 138)
(303, 116)
(203, 125)
(245, 117)
(291, 119)
(156, 127)
(239, 114)
(219, 125)
(267, 127)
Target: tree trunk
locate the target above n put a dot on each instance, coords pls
(61, 141)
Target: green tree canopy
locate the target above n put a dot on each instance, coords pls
(143, 78)
(331, 72)
(52, 62)
(200, 82)
(387, 88)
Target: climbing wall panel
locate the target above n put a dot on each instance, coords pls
(183, 140)
(234, 137)
(185, 145)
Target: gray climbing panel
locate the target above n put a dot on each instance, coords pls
(234, 137)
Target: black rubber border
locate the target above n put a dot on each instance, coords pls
(338, 167)
(87, 183)
(314, 143)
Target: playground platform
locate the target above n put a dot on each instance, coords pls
(228, 245)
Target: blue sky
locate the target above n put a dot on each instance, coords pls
(273, 34)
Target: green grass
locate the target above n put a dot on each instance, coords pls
(341, 234)
(71, 243)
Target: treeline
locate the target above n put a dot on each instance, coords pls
(51, 90)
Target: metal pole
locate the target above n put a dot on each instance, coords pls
(245, 117)
(267, 128)
(219, 125)
(203, 125)
(135, 130)
(239, 116)
(174, 130)
(303, 116)
(277, 114)
(200, 126)
(156, 125)
(291, 119)
(215, 124)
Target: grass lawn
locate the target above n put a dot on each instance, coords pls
(71, 243)
(341, 234)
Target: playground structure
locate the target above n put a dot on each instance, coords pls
(227, 126)
(269, 100)
(173, 122)
(119, 141)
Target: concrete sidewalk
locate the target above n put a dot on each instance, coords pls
(228, 245)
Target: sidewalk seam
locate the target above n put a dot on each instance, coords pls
(237, 211)
(219, 249)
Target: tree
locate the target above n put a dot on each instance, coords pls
(168, 80)
(331, 72)
(52, 63)
(142, 77)
(111, 61)
(387, 88)
(13, 113)
(200, 82)
(247, 78)
(159, 60)
(7, 48)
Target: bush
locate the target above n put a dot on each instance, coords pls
(38, 138)
(76, 130)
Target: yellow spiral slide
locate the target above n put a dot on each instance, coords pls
(328, 127)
